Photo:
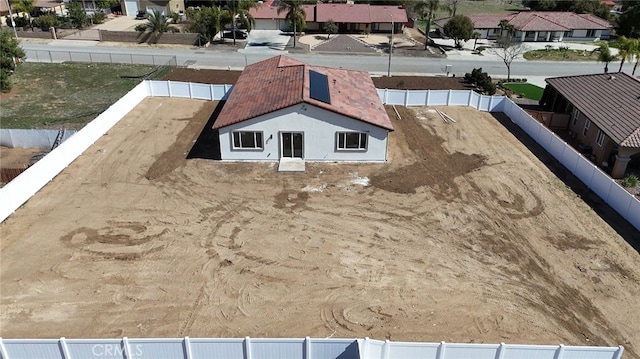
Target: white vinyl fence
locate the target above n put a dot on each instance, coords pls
(627, 205)
(24, 186)
(15, 138)
(286, 348)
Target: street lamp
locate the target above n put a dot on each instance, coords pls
(390, 47)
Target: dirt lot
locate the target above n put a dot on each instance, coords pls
(460, 237)
(394, 82)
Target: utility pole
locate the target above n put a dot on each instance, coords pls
(390, 47)
(13, 23)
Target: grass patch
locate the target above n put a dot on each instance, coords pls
(529, 91)
(65, 95)
(561, 55)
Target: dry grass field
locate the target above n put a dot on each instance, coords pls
(464, 236)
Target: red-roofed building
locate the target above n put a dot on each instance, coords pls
(542, 25)
(348, 17)
(283, 108)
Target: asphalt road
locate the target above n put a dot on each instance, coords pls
(208, 58)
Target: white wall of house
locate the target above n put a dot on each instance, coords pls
(267, 24)
(319, 144)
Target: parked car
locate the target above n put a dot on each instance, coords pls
(239, 34)
(141, 15)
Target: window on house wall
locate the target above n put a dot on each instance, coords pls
(574, 116)
(352, 141)
(587, 123)
(247, 140)
(600, 138)
(568, 33)
(591, 33)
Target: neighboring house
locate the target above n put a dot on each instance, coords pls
(284, 109)
(349, 17)
(166, 7)
(541, 26)
(604, 115)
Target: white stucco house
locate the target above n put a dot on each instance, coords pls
(281, 108)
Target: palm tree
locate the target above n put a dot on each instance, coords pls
(604, 55)
(636, 54)
(426, 10)
(506, 26)
(295, 15)
(239, 10)
(156, 25)
(330, 27)
(626, 49)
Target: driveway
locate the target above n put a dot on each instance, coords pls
(120, 23)
(261, 40)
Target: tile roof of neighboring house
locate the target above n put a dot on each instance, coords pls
(338, 12)
(382, 13)
(3, 7)
(269, 12)
(281, 82)
(610, 101)
(538, 21)
(352, 13)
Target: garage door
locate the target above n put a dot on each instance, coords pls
(131, 7)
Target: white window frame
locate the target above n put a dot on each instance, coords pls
(587, 123)
(600, 138)
(259, 145)
(343, 146)
(574, 116)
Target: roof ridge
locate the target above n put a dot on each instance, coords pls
(551, 21)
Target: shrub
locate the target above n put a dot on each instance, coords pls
(22, 21)
(630, 181)
(175, 17)
(44, 22)
(482, 80)
(98, 18)
(479, 49)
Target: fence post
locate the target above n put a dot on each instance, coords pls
(211, 92)
(247, 348)
(490, 104)
(500, 354)
(127, 350)
(307, 348)
(187, 348)
(441, 350)
(385, 349)
(169, 86)
(426, 101)
(406, 98)
(618, 354)
(63, 346)
(386, 96)
(449, 97)
(3, 350)
(470, 96)
(559, 352)
(191, 90)
(365, 348)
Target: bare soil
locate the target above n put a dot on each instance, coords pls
(463, 236)
(17, 157)
(394, 82)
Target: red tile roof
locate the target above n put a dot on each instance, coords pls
(269, 12)
(338, 12)
(610, 101)
(281, 82)
(382, 13)
(538, 21)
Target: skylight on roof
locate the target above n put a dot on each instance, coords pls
(319, 87)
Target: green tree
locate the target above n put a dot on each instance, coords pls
(506, 27)
(206, 22)
(296, 17)
(426, 10)
(9, 50)
(330, 27)
(238, 11)
(156, 25)
(629, 22)
(636, 53)
(77, 15)
(626, 49)
(23, 7)
(604, 55)
(459, 28)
